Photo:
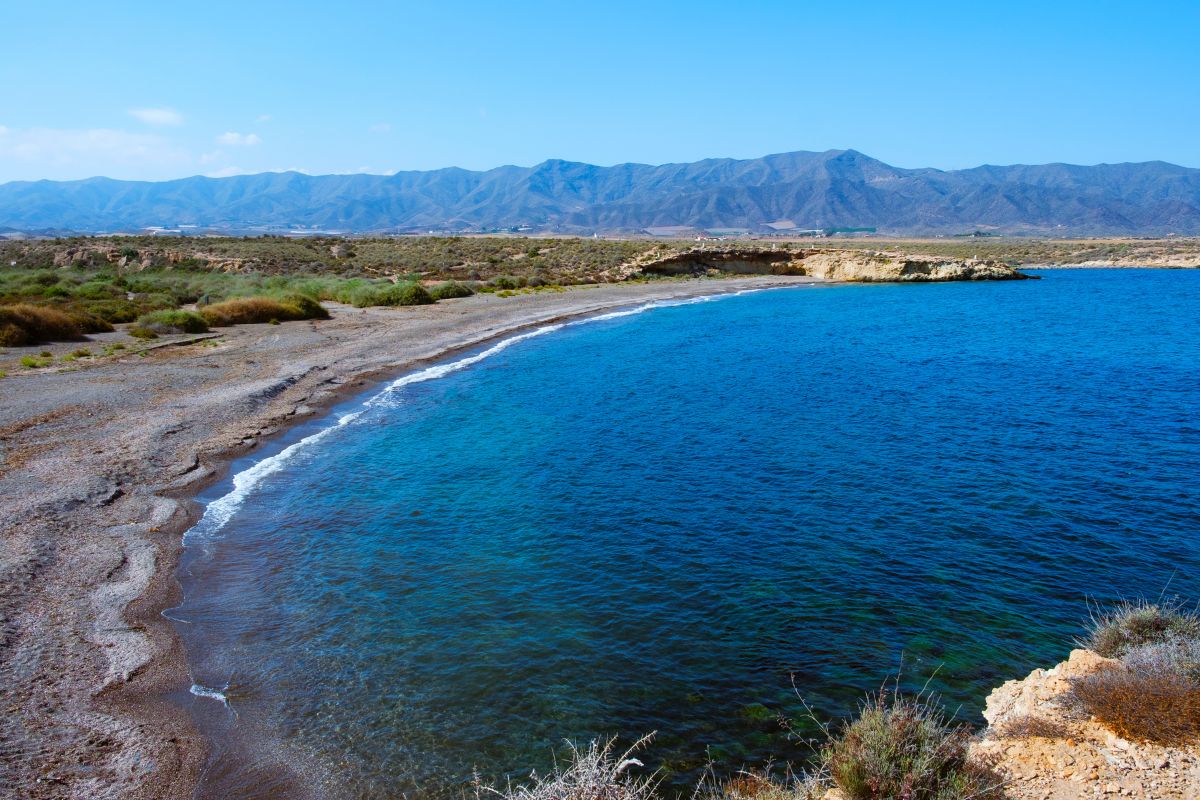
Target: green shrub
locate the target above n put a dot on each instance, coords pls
(3, 374)
(30, 362)
(1131, 624)
(138, 332)
(507, 282)
(177, 321)
(449, 290)
(24, 324)
(904, 747)
(399, 294)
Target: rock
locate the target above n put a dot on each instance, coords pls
(1087, 760)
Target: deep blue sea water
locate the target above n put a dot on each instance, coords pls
(684, 519)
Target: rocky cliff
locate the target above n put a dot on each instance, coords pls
(859, 266)
(1047, 751)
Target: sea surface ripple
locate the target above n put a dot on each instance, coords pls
(685, 519)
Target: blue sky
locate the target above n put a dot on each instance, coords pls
(158, 90)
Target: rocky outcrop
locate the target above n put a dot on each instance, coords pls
(744, 261)
(873, 267)
(858, 266)
(1048, 752)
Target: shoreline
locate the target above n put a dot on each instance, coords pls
(97, 550)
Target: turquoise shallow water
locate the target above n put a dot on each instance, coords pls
(665, 521)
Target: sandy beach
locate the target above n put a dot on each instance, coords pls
(98, 462)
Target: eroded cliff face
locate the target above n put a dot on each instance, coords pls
(866, 267)
(835, 265)
(1049, 752)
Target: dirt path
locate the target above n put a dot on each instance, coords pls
(97, 462)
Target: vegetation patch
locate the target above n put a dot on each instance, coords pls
(1153, 694)
(398, 294)
(1029, 726)
(449, 290)
(249, 310)
(24, 324)
(173, 321)
(1117, 631)
(597, 772)
(904, 747)
(1161, 706)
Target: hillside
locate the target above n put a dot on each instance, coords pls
(837, 188)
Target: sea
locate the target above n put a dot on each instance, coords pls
(721, 521)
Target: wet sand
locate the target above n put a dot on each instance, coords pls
(98, 461)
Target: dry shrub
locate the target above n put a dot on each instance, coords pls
(592, 773)
(248, 310)
(24, 324)
(1150, 705)
(1028, 726)
(902, 747)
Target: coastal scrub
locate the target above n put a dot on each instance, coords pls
(249, 310)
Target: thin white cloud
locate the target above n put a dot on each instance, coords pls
(235, 139)
(73, 153)
(380, 127)
(264, 118)
(157, 116)
(227, 172)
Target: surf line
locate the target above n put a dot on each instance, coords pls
(220, 511)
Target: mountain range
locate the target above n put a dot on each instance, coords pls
(800, 190)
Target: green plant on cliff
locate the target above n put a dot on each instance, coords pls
(1152, 693)
(1116, 631)
(595, 772)
(902, 746)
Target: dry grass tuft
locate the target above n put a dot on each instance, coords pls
(249, 310)
(1148, 705)
(748, 785)
(1029, 726)
(24, 324)
(596, 772)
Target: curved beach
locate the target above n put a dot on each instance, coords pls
(98, 465)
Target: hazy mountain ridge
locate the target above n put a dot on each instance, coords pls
(837, 188)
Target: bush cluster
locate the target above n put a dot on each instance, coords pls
(173, 321)
(249, 310)
(1153, 693)
(24, 324)
(904, 747)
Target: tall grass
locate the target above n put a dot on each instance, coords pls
(174, 321)
(24, 324)
(596, 772)
(248, 310)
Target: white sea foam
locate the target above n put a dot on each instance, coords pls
(218, 513)
(221, 510)
(215, 694)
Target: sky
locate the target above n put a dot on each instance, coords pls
(152, 91)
